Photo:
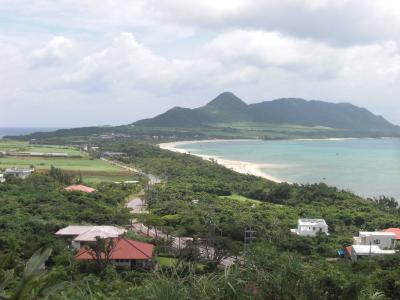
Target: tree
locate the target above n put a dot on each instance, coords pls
(386, 202)
(101, 251)
(60, 176)
(34, 279)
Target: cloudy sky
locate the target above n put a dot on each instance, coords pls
(96, 62)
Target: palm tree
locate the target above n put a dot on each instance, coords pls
(34, 279)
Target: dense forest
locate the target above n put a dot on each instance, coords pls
(213, 205)
(228, 108)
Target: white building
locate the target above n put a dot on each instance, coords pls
(355, 251)
(384, 240)
(310, 227)
(82, 234)
(19, 172)
(2, 179)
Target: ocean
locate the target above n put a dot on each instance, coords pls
(23, 130)
(367, 167)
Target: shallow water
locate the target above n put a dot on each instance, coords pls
(368, 167)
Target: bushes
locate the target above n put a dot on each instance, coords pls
(33, 209)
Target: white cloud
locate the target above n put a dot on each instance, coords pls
(127, 59)
(55, 51)
(123, 66)
(263, 49)
(336, 21)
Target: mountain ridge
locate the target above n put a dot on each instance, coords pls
(228, 108)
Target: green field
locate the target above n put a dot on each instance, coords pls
(71, 164)
(236, 197)
(109, 178)
(166, 261)
(91, 169)
(17, 146)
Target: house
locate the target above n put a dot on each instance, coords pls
(384, 240)
(79, 188)
(396, 231)
(2, 179)
(356, 251)
(19, 172)
(125, 253)
(82, 234)
(310, 227)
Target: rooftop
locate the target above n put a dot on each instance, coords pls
(396, 231)
(19, 170)
(124, 249)
(311, 222)
(370, 249)
(80, 188)
(89, 233)
(99, 231)
(376, 233)
(74, 229)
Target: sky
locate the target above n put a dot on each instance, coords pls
(108, 62)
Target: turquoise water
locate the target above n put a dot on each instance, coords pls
(367, 167)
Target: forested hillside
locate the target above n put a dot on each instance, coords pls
(277, 265)
(228, 108)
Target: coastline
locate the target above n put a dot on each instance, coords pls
(242, 167)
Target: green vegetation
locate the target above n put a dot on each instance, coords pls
(79, 164)
(21, 146)
(277, 265)
(227, 108)
(236, 197)
(229, 117)
(167, 261)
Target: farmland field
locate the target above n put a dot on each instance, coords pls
(17, 146)
(91, 169)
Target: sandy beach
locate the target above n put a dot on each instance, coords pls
(235, 165)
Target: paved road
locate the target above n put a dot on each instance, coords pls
(153, 179)
(138, 205)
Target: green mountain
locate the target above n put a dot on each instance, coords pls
(228, 108)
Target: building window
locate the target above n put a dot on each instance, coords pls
(377, 242)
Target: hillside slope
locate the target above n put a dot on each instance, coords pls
(228, 108)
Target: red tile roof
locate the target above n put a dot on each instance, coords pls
(395, 231)
(80, 187)
(124, 249)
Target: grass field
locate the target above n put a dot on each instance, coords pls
(166, 261)
(236, 197)
(115, 178)
(17, 146)
(91, 169)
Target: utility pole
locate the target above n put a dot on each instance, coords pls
(369, 257)
(249, 236)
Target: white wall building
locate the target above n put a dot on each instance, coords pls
(384, 240)
(310, 227)
(19, 172)
(2, 179)
(81, 234)
(355, 251)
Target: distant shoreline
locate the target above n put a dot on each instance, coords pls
(242, 167)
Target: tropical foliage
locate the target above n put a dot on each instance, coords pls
(215, 207)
